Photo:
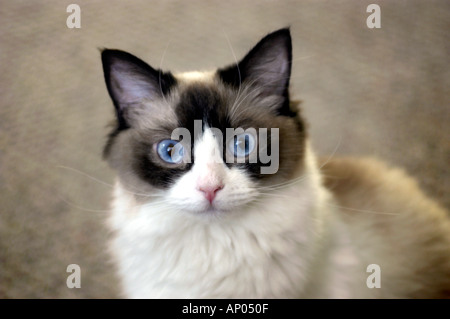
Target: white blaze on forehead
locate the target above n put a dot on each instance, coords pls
(196, 76)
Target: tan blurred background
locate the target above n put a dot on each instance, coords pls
(381, 92)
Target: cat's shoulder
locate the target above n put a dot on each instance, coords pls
(371, 184)
(389, 218)
(346, 175)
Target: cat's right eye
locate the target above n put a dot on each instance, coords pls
(242, 145)
(170, 151)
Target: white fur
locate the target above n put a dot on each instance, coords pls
(270, 247)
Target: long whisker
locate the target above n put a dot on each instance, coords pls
(85, 175)
(332, 153)
(285, 184)
(83, 208)
(302, 58)
(103, 182)
(237, 65)
(160, 71)
(301, 178)
(107, 211)
(366, 211)
(241, 98)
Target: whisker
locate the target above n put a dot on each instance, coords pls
(301, 178)
(155, 204)
(285, 184)
(160, 71)
(83, 208)
(332, 153)
(85, 175)
(302, 58)
(249, 85)
(103, 182)
(237, 65)
(362, 210)
(365, 211)
(238, 101)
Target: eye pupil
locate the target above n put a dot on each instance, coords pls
(243, 144)
(170, 151)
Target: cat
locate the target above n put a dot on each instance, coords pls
(198, 217)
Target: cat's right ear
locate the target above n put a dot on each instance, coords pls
(131, 81)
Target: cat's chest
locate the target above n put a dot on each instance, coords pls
(163, 254)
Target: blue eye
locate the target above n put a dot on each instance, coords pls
(242, 145)
(170, 151)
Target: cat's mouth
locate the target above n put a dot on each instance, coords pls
(218, 208)
(212, 209)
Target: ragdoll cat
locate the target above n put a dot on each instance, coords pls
(200, 212)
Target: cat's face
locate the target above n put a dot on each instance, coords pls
(205, 142)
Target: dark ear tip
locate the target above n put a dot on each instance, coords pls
(113, 53)
(281, 37)
(282, 32)
(106, 55)
(110, 56)
(286, 31)
(110, 53)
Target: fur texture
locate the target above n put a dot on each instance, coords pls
(308, 230)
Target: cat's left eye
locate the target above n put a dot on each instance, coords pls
(170, 151)
(242, 145)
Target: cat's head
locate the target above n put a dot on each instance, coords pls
(205, 142)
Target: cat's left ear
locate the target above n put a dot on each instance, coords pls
(267, 65)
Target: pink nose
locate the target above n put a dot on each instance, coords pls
(210, 192)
